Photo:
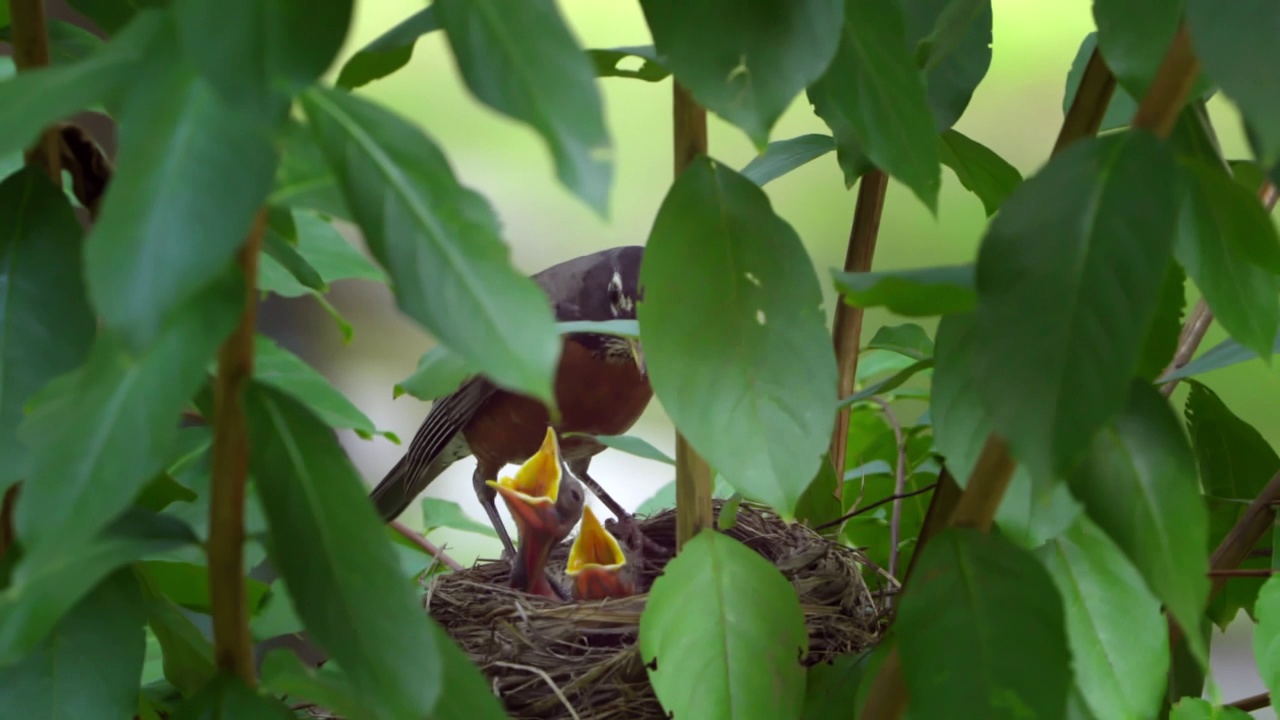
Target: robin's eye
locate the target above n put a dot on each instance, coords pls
(615, 295)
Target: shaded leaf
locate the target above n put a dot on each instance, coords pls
(188, 655)
(99, 434)
(496, 44)
(439, 242)
(1266, 636)
(303, 179)
(281, 249)
(89, 665)
(819, 504)
(1166, 327)
(607, 63)
(163, 491)
(1119, 640)
(979, 170)
(887, 384)
(981, 632)
(1084, 284)
(832, 688)
(178, 145)
(112, 15)
(872, 87)
(907, 339)
(731, 649)
(1134, 35)
(1138, 482)
(45, 318)
(1223, 236)
(227, 698)
(327, 543)
(783, 156)
(466, 693)
(746, 62)
(281, 369)
(438, 513)
(284, 674)
(187, 585)
(320, 243)
(918, 292)
(665, 497)
(751, 398)
(389, 52)
(67, 43)
(951, 40)
(43, 591)
(439, 372)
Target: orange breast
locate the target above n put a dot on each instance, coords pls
(595, 397)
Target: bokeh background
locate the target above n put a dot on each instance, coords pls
(1016, 112)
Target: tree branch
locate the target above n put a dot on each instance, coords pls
(30, 51)
(1084, 117)
(847, 324)
(233, 651)
(1253, 702)
(427, 546)
(693, 475)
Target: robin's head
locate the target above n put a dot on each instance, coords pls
(597, 564)
(611, 291)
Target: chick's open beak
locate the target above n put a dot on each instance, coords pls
(531, 495)
(596, 563)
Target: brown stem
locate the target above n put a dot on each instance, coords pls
(1084, 117)
(1241, 573)
(30, 51)
(1246, 533)
(978, 503)
(847, 325)
(233, 651)
(1253, 702)
(693, 475)
(7, 535)
(429, 547)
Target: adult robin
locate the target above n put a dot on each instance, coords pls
(545, 503)
(597, 565)
(601, 388)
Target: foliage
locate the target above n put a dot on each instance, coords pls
(1031, 377)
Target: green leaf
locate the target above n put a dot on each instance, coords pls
(952, 43)
(618, 328)
(607, 63)
(1090, 280)
(112, 15)
(284, 674)
(832, 688)
(919, 292)
(907, 339)
(819, 504)
(33, 100)
(1166, 327)
(280, 249)
(162, 492)
(187, 585)
(44, 590)
(1134, 35)
(389, 52)
(1225, 354)
(783, 156)
(179, 144)
(1228, 40)
(227, 698)
(439, 373)
(981, 628)
(188, 655)
(1119, 640)
(1266, 636)
(751, 398)
(1230, 248)
(438, 513)
(1189, 708)
(1122, 106)
(43, 289)
(327, 542)
(466, 693)
(1138, 483)
(1235, 463)
(727, 634)
(746, 62)
(439, 241)
(883, 386)
(630, 444)
(979, 170)
(303, 179)
(498, 45)
(89, 666)
(281, 369)
(253, 55)
(99, 434)
(873, 88)
(320, 243)
(67, 43)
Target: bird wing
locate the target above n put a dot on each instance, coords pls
(426, 457)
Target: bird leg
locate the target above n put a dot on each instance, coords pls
(488, 497)
(626, 522)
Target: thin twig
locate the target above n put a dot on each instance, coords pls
(693, 474)
(547, 679)
(868, 508)
(899, 484)
(427, 546)
(1253, 702)
(1241, 573)
(233, 651)
(847, 324)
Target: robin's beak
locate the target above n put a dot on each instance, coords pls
(637, 353)
(596, 563)
(531, 497)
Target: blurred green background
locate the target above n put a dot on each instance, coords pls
(1016, 112)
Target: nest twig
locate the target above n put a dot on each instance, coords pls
(548, 659)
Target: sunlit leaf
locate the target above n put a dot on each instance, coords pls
(732, 648)
(907, 339)
(388, 53)
(783, 156)
(438, 241)
(496, 44)
(917, 292)
(746, 62)
(1090, 280)
(750, 397)
(979, 170)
